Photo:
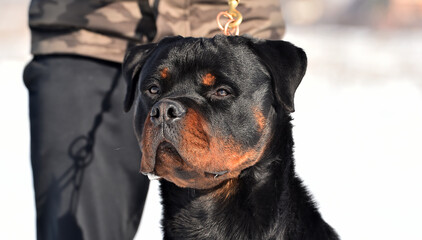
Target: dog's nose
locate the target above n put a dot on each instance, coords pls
(167, 111)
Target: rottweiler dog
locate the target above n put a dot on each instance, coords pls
(212, 116)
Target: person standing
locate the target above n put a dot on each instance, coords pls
(85, 158)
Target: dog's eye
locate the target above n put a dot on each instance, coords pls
(154, 90)
(221, 92)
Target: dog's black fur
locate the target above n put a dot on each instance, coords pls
(238, 92)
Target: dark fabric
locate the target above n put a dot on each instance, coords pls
(84, 153)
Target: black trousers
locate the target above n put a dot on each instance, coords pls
(84, 154)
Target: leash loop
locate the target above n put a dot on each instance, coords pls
(231, 27)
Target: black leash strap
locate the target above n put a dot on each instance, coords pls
(147, 26)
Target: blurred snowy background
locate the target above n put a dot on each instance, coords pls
(358, 119)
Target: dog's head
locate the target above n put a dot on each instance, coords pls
(205, 109)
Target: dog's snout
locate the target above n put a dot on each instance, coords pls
(167, 111)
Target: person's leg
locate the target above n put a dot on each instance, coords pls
(85, 157)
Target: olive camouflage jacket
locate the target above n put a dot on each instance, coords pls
(104, 28)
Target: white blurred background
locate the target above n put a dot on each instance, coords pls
(358, 119)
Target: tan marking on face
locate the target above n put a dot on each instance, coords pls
(208, 79)
(200, 153)
(260, 119)
(213, 152)
(146, 146)
(164, 73)
(168, 165)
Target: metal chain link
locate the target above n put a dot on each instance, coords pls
(231, 27)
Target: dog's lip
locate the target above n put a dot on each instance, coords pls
(166, 145)
(163, 145)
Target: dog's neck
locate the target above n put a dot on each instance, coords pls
(259, 200)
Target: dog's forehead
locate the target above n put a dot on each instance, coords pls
(211, 59)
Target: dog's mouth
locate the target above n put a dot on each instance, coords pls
(190, 154)
(170, 164)
(166, 156)
(166, 150)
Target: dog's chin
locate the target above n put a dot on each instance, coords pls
(171, 166)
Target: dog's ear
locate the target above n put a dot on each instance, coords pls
(287, 65)
(132, 65)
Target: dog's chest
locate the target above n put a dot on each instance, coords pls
(206, 220)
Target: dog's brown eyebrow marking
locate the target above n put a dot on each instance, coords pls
(208, 79)
(164, 73)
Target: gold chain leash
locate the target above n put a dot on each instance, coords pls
(234, 19)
